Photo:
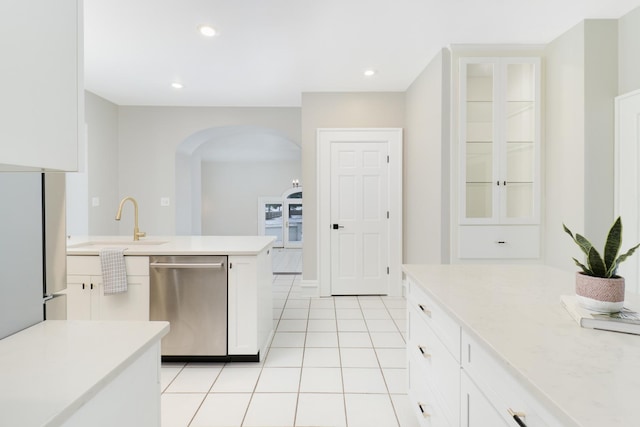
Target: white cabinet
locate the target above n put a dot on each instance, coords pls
(454, 380)
(477, 411)
(433, 350)
(250, 306)
(42, 103)
(86, 299)
(499, 129)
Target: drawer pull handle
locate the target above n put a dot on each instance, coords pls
(424, 310)
(424, 353)
(517, 417)
(500, 242)
(424, 413)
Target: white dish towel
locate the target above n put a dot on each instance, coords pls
(114, 270)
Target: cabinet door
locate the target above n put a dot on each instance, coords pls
(242, 312)
(477, 411)
(500, 139)
(78, 298)
(130, 305)
(42, 106)
(520, 142)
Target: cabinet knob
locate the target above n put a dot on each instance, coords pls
(422, 410)
(517, 416)
(423, 350)
(425, 310)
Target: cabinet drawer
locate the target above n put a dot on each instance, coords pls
(422, 400)
(90, 265)
(440, 370)
(444, 326)
(503, 241)
(500, 388)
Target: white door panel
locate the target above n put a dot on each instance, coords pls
(359, 205)
(627, 181)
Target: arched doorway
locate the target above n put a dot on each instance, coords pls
(221, 171)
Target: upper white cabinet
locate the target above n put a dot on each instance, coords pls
(500, 140)
(42, 107)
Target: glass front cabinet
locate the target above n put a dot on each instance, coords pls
(499, 152)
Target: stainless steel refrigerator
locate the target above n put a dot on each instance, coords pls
(32, 249)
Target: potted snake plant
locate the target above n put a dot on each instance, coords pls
(598, 287)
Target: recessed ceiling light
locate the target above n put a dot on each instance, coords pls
(369, 73)
(207, 30)
(177, 85)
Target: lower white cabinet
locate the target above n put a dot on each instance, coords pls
(499, 241)
(476, 409)
(86, 299)
(454, 381)
(433, 350)
(250, 305)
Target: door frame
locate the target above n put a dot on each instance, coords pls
(393, 137)
(626, 181)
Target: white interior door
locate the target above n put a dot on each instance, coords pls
(359, 225)
(627, 182)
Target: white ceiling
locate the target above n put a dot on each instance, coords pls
(270, 51)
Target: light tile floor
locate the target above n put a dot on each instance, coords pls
(333, 362)
(287, 260)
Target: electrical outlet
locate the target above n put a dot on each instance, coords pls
(95, 201)
(164, 201)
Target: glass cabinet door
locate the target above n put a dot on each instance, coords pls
(273, 222)
(479, 140)
(520, 141)
(293, 226)
(499, 124)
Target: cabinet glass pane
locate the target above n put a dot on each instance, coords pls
(273, 220)
(479, 162)
(520, 121)
(521, 82)
(520, 161)
(519, 200)
(294, 222)
(479, 200)
(479, 82)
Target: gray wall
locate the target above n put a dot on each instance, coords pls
(578, 162)
(337, 110)
(98, 176)
(148, 138)
(230, 192)
(426, 164)
(629, 52)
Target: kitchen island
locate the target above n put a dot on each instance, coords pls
(506, 344)
(250, 313)
(77, 373)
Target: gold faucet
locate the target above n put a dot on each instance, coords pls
(136, 232)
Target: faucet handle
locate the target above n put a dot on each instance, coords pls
(141, 234)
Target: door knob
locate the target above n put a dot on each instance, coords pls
(337, 226)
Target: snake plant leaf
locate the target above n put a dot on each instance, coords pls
(583, 243)
(613, 269)
(596, 263)
(584, 268)
(613, 243)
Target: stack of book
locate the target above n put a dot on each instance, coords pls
(627, 320)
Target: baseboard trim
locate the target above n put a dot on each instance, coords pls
(308, 283)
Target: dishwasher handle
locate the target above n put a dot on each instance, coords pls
(203, 265)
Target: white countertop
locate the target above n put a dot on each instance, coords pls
(51, 369)
(584, 377)
(172, 245)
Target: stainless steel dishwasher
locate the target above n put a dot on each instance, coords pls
(191, 293)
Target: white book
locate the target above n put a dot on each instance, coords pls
(627, 320)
